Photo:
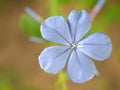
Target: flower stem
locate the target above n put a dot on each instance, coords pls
(97, 8)
(54, 8)
(60, 84)
(62, 77)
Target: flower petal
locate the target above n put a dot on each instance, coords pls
(56, 30)
(97, 45)
(54, 58)
(80, 68)
(79, 24)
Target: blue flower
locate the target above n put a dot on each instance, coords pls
(74, 50)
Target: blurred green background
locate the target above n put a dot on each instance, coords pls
(19, 68)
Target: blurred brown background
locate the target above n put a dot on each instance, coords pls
(18, 56)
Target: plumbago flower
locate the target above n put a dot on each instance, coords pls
(74, 50)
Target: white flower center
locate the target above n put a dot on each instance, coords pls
(73, 46)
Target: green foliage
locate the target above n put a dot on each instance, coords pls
(118, 56)
(63, 1)
(6, 78)
(102, 84)
(30, 26)
(10, 80)
(27, 88)
(88, 3)
(2, 4)
(110, 15)
(4, 84)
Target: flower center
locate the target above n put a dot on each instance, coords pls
(73, 46)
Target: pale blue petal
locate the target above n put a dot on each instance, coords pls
(56, 29)
(73, 19)
(79, 24)
(80, 67)
(98, 46)
(53, 59)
